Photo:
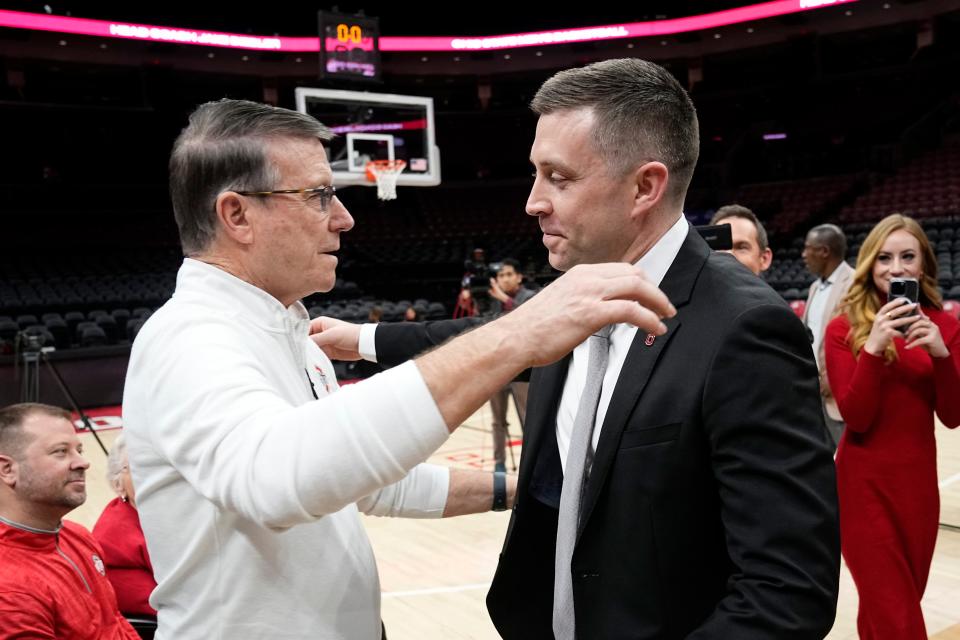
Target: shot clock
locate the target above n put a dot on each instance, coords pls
(349, 47)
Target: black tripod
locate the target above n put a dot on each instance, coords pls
(32, 353)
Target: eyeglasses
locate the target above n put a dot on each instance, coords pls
(318, 198)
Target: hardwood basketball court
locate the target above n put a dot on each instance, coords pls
(435, 573)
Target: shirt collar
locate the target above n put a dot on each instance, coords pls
(655, 264)
(829, 280)
(20, 535)
(213, 285)
(661, 255)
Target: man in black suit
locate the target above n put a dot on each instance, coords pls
(708, 504)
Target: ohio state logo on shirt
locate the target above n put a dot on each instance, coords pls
(98, 564)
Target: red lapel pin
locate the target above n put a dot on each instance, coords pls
(650, 339)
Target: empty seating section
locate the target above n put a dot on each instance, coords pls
(359, 310)
(787, 207)
(789, 276)
(418, 245)
(442, 226)
(927, 187)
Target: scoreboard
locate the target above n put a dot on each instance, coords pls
(349, 47)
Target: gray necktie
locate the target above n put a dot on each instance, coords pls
(579, 459)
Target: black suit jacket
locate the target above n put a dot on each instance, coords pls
(397, 342)
(711, 507)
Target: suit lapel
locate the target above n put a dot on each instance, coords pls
(835, 293)
(639, 365)
(806, 309)
(546, 385)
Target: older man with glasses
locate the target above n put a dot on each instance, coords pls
(250, 471)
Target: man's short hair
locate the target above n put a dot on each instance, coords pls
(510, 262)
(740, 211)
(12, 438)
(223, 148)
(642, 113)
(832, 237)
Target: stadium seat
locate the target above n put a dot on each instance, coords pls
(59, 329)
(122, 316)
(133, 328)
(109, 326)
(26, 320)
(92, 336)
(8, 330)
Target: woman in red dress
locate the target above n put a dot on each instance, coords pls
(119, 534)
(891, 366)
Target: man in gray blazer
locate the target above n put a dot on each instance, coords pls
(823, 252)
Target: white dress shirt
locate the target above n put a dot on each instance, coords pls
(654, 264)
(821, 293)
(248, 489)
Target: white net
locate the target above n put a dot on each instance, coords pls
(386, 173)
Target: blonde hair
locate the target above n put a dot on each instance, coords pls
(863, 299)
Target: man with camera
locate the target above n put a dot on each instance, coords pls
(507, 292)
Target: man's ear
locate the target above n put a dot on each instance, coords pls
(766, 258)
(652, 180)
(9, 471)
(233, 214)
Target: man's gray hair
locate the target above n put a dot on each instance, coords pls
(642, 113)
(832, 237)
(224, 148)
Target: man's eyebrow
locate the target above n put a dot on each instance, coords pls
(553, 164)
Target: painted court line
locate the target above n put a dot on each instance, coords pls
(949, 481)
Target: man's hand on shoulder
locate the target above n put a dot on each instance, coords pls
(585, 298)
(338, 339)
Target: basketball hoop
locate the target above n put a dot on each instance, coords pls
(385, 173)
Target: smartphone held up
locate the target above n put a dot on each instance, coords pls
(908, 288)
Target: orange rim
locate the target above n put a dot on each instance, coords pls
(377, 166)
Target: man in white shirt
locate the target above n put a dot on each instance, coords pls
(824, 251)
(708, 506)
(250, 471)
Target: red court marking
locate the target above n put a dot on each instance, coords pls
(510, 443)
(463, 457)
(102, 418)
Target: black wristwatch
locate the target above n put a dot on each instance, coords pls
(499, 491)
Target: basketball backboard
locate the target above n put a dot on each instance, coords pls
(375, 126)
